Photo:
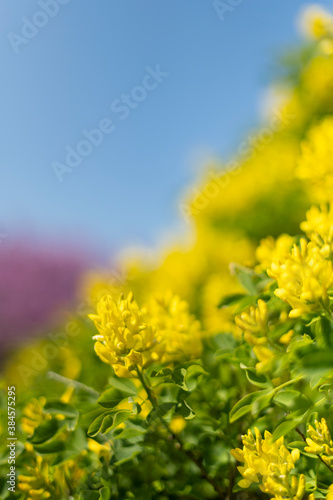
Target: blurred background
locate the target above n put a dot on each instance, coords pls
(108, 111)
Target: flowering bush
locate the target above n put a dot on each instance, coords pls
(212, 375)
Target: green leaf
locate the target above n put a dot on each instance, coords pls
(127, 453)
(96, 426)
(299, 342)
(58, 407)
(231, 299)
(318, 362)
(47, 430)
(291, 400)
(246, 277)
(284, 428)
(124, 385)
(324, 332)
(260, 380)
(112, 397)
(179, 378)
(160, 411)
(130, 433)
(245, 404)
(104, 493)
(185, 410)
(119, 418)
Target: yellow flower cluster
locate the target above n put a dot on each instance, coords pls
(315, 165)
(305, 273)
(270, 250)
(255, 325)
(269, 463)
(33, 415)
(163, 331)
(320, 442)
(175, 328)
(36, 485)
(304, 278)
(319, 228)
(42, 482)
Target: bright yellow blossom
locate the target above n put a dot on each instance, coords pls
(37, 484)
(320, 442)
(304, 278)
(319, 227)
(124, 338)
(164, 331)
(33, 415)
(176, 329)
(254, 324)
(315, 164)
(270, 249)
(270, 464)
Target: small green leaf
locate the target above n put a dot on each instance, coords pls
(291, 400)
(124, 385)
(58, 407)
(104, 493)
(231, 299)
(260, 380)
(47, 430)
(119, 418)
(185, 410)
(284, 428)
(96, 426)
(130, 433)
(245, 404)
(160, 411)
(127, 453)
(112, 397)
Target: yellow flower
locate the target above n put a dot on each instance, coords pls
(269, 463)
(123, 334)
(254, 324)
(176, 329)
(33, 415)
(319, 228)
(304, 278)
(265, 357)
(37, 484)
(320, 442)
(271, 249)
(315, 164)
(163, 331)
(316, 22)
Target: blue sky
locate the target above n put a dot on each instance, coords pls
(65, 77)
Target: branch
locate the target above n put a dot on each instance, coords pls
(180, 445)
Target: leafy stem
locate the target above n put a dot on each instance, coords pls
(180, 445)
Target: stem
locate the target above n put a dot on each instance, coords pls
(320, 458)
(197, 461)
